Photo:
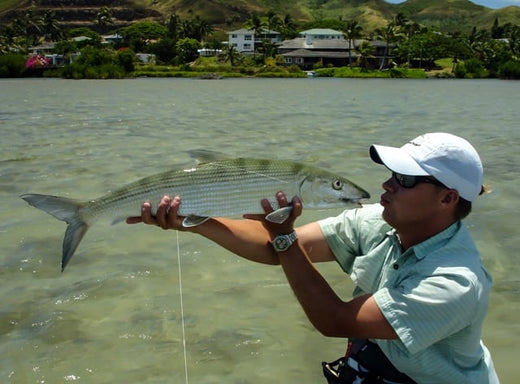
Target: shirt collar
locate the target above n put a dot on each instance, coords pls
(422, 249)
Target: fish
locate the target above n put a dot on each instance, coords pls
(220, 188)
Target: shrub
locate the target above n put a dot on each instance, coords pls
(471, 69)
(510, 70)
(12, 65)
(127, 59)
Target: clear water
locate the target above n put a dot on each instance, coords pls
(114, 315)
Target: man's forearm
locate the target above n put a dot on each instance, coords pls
(246, 238)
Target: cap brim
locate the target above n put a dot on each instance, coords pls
(397, 160)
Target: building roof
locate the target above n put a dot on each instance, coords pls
(317, 44)
(317, 54)
(321, 32)
(244, 31)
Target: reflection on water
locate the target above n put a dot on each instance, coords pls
(114, 315)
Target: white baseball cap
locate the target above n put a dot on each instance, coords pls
(450, 159)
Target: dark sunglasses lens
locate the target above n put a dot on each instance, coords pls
(405, 181)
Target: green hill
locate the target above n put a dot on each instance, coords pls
(445, 15)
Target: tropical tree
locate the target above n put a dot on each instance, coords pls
(51, 29)
(232, 55)
(272, 21)
(7, 39)
(173, 25)
(28, 28)
(257, 25)
(268, 48)
(202, 28)
(104, 19)
(365, 52)
(144, 30)
(187, 50)
(352, 30)
(288, 27)
(389, 34)
(165, 49)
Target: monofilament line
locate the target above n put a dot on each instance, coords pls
(182, 311)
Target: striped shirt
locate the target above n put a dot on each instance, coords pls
(435, 295)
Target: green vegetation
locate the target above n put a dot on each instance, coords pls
(409, 49)
(398, 73)
(12, 65)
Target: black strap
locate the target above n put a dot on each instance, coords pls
(371, 357)
(370, 366)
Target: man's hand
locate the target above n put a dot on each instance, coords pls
(288, 225)
(166, 216)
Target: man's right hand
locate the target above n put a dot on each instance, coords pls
(166, 216)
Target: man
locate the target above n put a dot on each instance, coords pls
(421, 291)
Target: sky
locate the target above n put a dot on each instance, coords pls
(494, 4)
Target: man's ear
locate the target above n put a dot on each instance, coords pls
(450, 197)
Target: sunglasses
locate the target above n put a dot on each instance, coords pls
(407, 181)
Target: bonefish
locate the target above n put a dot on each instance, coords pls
(220, 188)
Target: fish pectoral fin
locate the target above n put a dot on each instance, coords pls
(118, 220)
(193, 221)
(280, 215)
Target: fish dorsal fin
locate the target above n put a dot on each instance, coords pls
(279, 215)
(193, 221)
(206, 155)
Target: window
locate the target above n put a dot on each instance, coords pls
(247, 46)
(234, 36)
(247, 37)
(288, 60)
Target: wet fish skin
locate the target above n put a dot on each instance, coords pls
(221, 188)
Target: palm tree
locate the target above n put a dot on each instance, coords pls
(410, 29)
(28, 27)
(388, 34)
(352, 31)
(514, 40)
(365, 52)
(104, 18)
(273, 21)
(288, 27)
(173, 24)
(231, 54)
(201, 28)
(255, 24)
(51, 28)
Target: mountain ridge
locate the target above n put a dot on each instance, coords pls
(444, 15)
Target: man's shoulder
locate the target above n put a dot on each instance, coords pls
(366, 221)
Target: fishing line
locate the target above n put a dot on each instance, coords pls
(182, 310)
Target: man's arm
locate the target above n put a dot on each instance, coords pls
(246, 238)
(359, 317)
(251, 238)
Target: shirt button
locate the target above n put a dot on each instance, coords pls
(396, 266)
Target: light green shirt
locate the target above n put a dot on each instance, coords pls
(435, 295)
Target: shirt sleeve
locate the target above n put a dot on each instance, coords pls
(354, 233)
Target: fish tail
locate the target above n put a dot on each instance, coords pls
(65, 210)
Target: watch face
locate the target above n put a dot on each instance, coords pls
(282, 243)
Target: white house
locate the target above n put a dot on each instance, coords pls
(245, 40)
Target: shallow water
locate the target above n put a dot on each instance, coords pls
(114, 315)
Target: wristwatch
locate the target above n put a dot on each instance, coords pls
(282, 243)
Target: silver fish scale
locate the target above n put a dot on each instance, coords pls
(223, 188)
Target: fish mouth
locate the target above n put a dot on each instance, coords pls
(356, 201)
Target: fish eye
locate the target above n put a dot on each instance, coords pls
(337, 184)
